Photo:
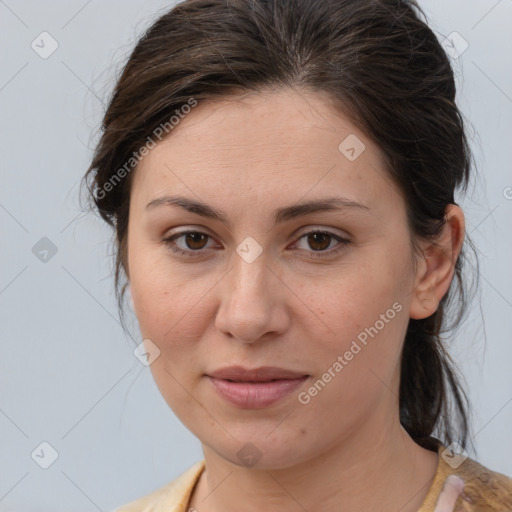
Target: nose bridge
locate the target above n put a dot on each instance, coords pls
(249, 279)
(248, 302)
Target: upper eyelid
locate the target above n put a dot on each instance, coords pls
(299, 232)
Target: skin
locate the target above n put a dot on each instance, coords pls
(453, 487)
(248, 156)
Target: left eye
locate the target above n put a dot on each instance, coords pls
(321, 240)
(318, 240)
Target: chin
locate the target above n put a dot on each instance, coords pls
(260, 451)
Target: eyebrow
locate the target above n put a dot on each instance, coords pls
(281, 214)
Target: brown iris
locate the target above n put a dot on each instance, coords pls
(319, 238)
(195, 238)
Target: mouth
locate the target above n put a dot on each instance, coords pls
(254, 381)
(255, 388)
(261, 374)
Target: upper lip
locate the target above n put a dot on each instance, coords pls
(262, 374)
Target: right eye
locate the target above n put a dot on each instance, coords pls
(194, 242)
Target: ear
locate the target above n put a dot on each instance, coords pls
(436, 266)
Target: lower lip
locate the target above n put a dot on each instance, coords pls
(255, 395)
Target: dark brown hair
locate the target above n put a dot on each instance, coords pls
(385, 69)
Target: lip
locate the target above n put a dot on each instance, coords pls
(255, 388)
(261, 374)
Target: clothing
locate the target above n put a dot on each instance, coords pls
(489, 491)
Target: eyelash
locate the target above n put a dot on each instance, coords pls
(343, 242)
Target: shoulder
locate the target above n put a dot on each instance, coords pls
(484, 490)
(172, 497)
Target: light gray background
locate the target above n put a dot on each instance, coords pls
(67, 372)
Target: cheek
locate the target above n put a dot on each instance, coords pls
(173, 310)
(365, 312)
(170, 313)
(367, 338)
(159, 294)
(356, 370)
(166, 310)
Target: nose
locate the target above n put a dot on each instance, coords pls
(253, 302)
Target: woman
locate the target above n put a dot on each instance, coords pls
(281, 176)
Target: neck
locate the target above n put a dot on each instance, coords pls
(379, 468)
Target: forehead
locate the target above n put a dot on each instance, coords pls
(286, 141)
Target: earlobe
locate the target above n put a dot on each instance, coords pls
(437, 265)
(424, 303)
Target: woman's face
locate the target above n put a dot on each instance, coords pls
(263, 287)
